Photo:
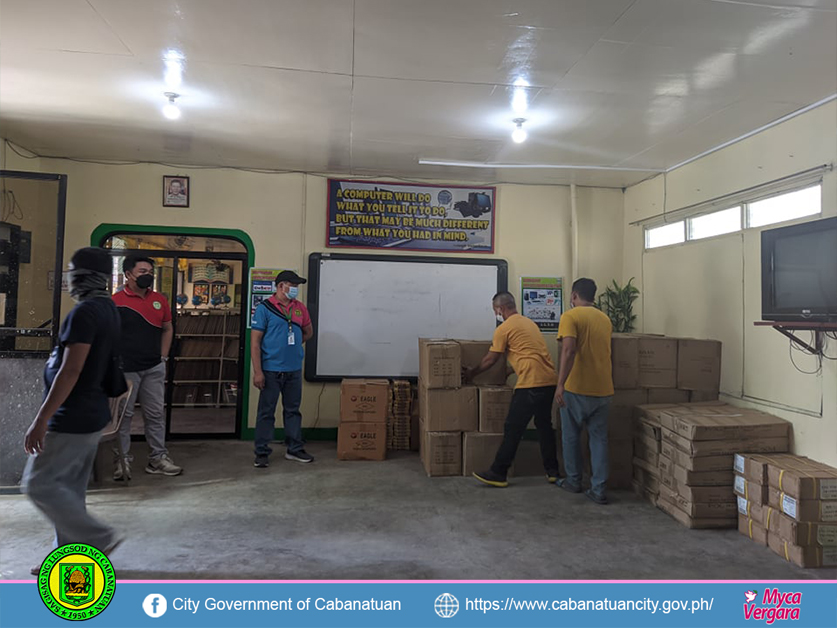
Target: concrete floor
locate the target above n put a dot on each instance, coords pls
(223, 519)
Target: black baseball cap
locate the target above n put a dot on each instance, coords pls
(92, 258)
(289, 276)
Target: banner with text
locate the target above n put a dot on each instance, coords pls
(410, 217)
(374, 604)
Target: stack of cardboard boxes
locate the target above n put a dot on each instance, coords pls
(460, 426)
(398, 421)
(364, 407)
(698, 442)
(797, 517)
(652, 369)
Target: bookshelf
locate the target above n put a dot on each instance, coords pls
(206, 367)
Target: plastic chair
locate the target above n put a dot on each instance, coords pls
(118, 408)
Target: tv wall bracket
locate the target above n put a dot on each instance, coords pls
(787, 329)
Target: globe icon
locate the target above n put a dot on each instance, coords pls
(446, 606)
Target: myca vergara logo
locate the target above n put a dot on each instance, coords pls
(76, 582)
(774, 605)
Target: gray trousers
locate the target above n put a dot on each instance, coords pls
(56, 482)
(150, 390)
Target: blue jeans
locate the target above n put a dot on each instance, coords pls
(289, 385)
(578, 411)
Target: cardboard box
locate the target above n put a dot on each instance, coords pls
(364, 400)
(667, 395)
(620, 423)
(657, 362)
(645, 493)
(448, 410)
(647, 468)
(692, 463)
(646, 479)
(440, 363)
(725, 447)
(701, 494)
(651, 413)
(624, 354)
(698, 510)
(751, 510)
(362, 441)
(756, 493)
(691, 522)
(803, 479)
(752, 529)
(472, 352)
(478, 451)
(723, 423)
(698, 364)
(648, 453)
(801, 555)
(646, 429)
(697, 396)
(802, 532)
(493, 408)
(816, 510)
(695, 478)
(630, 398)
(441, 453)
(753, 466)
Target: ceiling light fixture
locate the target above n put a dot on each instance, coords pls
(519, 134)
(173, 61)
(171, 110)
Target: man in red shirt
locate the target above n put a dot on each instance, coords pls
(147, 334)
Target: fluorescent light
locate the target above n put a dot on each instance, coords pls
(500, 166)
(520, 99)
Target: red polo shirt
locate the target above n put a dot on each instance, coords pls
(142, 327)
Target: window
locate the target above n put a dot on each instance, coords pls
(716, 223)
(784, 207)
(665, 235)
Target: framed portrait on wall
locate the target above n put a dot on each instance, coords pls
(175, 191)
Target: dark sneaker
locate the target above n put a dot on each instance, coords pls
(491, 478)
(568, 486)
(599, 499)
(261, 462)
(299, 456)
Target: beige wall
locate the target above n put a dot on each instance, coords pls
(285, 215)
(712, 288)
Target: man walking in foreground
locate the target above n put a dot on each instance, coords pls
(585, 388)
(523, 342)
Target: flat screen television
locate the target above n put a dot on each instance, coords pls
(799, 272)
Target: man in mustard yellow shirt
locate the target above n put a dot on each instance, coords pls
(585, 388)
(523, 342)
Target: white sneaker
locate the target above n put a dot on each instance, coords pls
(163, 466)
(118, 474)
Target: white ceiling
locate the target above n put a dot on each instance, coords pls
(369, 87)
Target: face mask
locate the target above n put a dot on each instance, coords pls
(144, 281)
(499, 318)
(293, 292)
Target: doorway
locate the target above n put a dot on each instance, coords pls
(203, 279)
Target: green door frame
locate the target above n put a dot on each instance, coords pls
(106, 230)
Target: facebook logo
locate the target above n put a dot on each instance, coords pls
(154, 605)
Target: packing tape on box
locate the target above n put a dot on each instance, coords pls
(751, 529)
(781, 475)
(767, 524)
(787, 556)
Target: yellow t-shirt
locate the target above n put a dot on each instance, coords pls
(592, 372)
(526, 350)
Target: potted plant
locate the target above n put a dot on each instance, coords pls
(618, 303)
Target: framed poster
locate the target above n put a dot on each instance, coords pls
(201, 290)
(542, 300)
(410, 216)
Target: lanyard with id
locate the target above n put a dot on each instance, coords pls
(289, 317)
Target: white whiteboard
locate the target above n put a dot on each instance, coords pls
(368, 313)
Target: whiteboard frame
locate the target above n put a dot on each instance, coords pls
(314, 260)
